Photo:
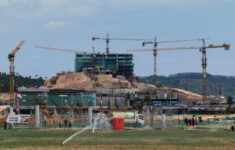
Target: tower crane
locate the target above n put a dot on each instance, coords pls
(201, 48)
(11, 57)
(107, 39)
(72, 51)
(155, 44)
(146, 41)
(64, 50)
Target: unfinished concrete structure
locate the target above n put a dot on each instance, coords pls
(115, 64)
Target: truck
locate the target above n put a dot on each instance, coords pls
(130, 117)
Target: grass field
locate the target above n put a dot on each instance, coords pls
(148, 139)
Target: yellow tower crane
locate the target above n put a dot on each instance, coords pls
(201, 48)
(107, 39)
(155, 44)
(146, 41)
(12, 73)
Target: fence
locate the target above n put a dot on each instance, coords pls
(75, 119)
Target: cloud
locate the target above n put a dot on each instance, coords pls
(84, 8)
(161, 3)
(3, 3)
(57, 24)
(8, 3)
(47, 8)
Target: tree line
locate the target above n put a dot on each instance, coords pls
(216, 84)
(19, 81)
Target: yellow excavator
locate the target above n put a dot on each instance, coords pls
(12, 73)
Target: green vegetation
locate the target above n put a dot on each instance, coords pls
(19, 81)
(169, 139)
(193, 82)
(229, 102)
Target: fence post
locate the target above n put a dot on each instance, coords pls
(37, 116)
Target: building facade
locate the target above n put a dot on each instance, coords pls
(116, 64)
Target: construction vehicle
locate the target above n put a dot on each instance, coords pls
(204, 59)
(11, 57)
(130, 117)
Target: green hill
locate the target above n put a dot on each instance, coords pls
(19, 81)
(193, 82)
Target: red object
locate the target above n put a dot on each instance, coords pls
(18, 104)
(19, 94)
(118, 123)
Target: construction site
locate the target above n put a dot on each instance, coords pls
(103, 105)
(104, 95)
(117, 74)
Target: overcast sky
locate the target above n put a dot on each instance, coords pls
(70, 24)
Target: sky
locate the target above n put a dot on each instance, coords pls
(70, 24)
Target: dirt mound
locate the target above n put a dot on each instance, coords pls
(69, 80)
(144, 87)
(107, 81)
(187, 94)
(81, 81)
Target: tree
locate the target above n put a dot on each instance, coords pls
(139, 104)
(229, 102)
(19, 81)
(148, 101)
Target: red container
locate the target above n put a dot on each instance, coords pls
(118, 123)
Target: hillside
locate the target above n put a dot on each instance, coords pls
(193, 82)
(187, 81)
(19, 81)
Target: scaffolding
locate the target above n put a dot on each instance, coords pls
(118, 64)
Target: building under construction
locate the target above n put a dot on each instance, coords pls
(115, 64)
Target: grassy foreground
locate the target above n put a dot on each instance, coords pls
(148, 140)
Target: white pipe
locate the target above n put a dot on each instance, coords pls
(71, 137)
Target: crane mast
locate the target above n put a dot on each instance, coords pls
(204, 59)
(204, 65)
(146, 41)
(12, 74)
(155, 44)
